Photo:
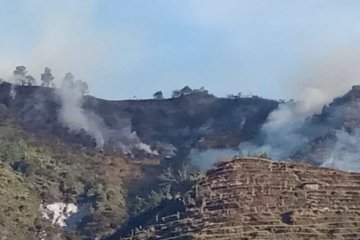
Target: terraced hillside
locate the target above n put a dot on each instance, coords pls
(252, 198)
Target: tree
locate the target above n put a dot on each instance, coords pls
(185, 91)
(68, 83)
(47, 78)
(231, 96)
(21, 78)
(200, 90)
(82, 87)
(4, 113)
(237, 96)
(176, 94)
(20, 75)
(30, 80)
(68, 80)
(158, 95)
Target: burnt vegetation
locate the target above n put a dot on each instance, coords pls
(59, 164)
(142, 172)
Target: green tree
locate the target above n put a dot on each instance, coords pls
(158, 95)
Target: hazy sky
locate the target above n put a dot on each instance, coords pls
(127, 48)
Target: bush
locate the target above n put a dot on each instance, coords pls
(151, 201)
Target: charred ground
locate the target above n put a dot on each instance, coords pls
(181, 121)
(121, 189)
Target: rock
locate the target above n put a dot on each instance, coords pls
(58, 212)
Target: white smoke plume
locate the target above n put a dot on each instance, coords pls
(345, 154)
(205, 159)
(72, 115)
(281, 133)
(146, 148)
(330, 77)
(122, 136)
(325, 78)
(62, 35)
(12, 93)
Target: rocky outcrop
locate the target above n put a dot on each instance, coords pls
(252, 198)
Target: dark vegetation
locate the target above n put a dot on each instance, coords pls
(38, 169)
(342, 114)
(36, 147)
(42, 161)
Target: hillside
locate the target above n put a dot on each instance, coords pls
(334, 134)
(167, 125)
(251, 198)
(179, 120)
(87, 168)
(71, 188)
(82, 192)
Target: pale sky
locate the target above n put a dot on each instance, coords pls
(126, 48)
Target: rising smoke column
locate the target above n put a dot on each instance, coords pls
(345, 154)
(73, 116)
(71, 113)
(281, 134)
(287, 129)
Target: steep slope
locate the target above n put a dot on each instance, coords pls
(61, 168)
(81, 193)
(167, 125)
(334, 134)
(18, 206)
(252, 198)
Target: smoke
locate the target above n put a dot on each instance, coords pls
(205, 159)
(123, 137)
(72, 115)
(345, 154)
(168, 149)
(281, 134)
(287, 130)
(63, 36)
(146, 148)
(61, 40)
(325, 77)
(12, 93)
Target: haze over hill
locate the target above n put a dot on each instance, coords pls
(261, 47)
(192, 119)
(157, 146)
(193, 125)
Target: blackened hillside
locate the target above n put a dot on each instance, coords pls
(334, 134)
(197, 119)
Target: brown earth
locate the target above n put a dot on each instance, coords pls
(253, 198)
